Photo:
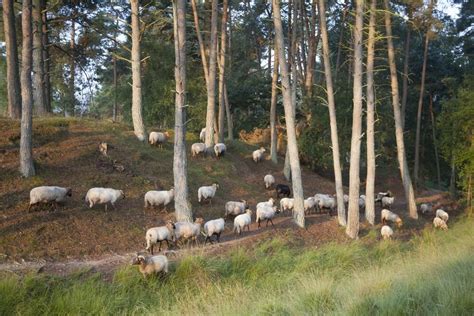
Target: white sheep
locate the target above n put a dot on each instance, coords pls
(287, 204)
(158, 198)
(198, 149)
(188, 231)
(269, 181)
(442, 214)
(48, 194)
(242, 221)
(235, 208)
(309, 204)
(257, 155)
(149, 265)
(380, 195)
(440, 223)
(387, 201)
(214, 227)
(207, 192)
(326, 202)
(158, 138)
(426, 208)
(158, 235)
(202, 135)
(386, 232)
(103, 148)
(103, 196)
(391, 217)
(362, 201)
(220, 149)
(270, 202)
(346, 199)
(266, 213)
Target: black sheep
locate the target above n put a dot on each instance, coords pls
(282, 190)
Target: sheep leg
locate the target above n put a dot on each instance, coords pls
(106, 207)
(219, 237)
(30, 207)
(151, 249)
(271, 221)
(258, 223)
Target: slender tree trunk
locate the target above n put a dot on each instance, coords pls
(230, 125)
(312, 47)
(402, 161)
(115, 107)
(435, 143)
(138, 127)
(222, 71)
(13, 74)
(286, 165)
(27, 168)
(405, 72)
(273, 105)
(354, 171)
(200, 41)
(46, 59)
(70, 109)
(211, 86)
(181, 199)
(289, 117)
(341, 212)
(452, 179)
(341, 37)
(370, 182)
(38, 65)
(420, 108)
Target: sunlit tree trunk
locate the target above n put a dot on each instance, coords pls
(341, 37)
(70, 108)
(341, 212)
(352, 229)
(370, 182)
(13, 74)
(181, 199)
(38, 65)
(27, 168)
(289, 117)
(312, 48)
(201, 42)
(435, 143)
(46, 58)
(211, 85)
(402, 161)
(406, 70)
(230, 125)
(138, 127)
(222, 58)
(273, 105)
(420, 109)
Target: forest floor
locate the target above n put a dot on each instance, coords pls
(76, 237)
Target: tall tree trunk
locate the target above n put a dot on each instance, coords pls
(420, 108)
(211, 86)
(452, 179)
(273, 105)
(222, 71)
(46, 59)
(312, 48)
(27, 168)
(138, 127)
(370, 181)
(352, 229)
(435, 143)
(230, 125)
(341, 37)
(402, 160)
(71, 107)
(289, 117)
(13, 74)
(406, 70)
(114, 62)
(38, 65)
(181, 200)
(341, 212)
(200, 41)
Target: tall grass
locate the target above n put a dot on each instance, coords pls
(430, 275)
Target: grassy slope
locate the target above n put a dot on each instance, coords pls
(430, 275)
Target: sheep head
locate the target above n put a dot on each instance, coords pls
(249, 211)
(122, 194)
(399, 222)
(216, 185)
(199, 220)
(68, 191)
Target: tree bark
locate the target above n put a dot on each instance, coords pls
(200, 41)
(273, 105)
(405, 71)
(341, 37)
(13, 74)
(38, 65)
(181, 200)
(71, 107)
(352, 229)
(289, 117)
(370, 181)
(435, 145)
(341, 212)
(46, 58)
(420, 108)
(27, 168)
(401, 154)
(312, 47)
(211, 85)
(222, 58)
(230, 125)
(138, 127)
